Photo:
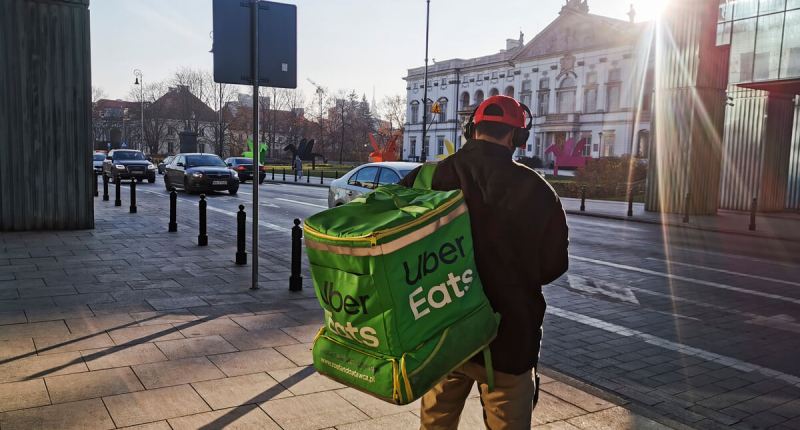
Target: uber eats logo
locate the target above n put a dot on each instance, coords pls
(337, 302)
(442, 294)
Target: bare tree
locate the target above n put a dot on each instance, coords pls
(156, 126)
(221, 95)
(188, 82)
(97, 94)
(393, 110)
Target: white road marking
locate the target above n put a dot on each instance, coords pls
(688, 279)
(675, 346)
(740, 257)
(301, 203)
(730, 272)
(600, 287)
(585, 223)
(223, 211)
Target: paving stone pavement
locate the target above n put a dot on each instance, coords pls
(127, 325)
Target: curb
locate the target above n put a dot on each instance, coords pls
(679, 225)
(612, 397)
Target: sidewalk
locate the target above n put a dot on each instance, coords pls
(782, 225)
(127, 325)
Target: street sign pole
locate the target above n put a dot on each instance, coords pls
(256, 146)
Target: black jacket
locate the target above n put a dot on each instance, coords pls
(520, 234)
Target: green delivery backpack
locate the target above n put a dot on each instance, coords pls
(404, 306)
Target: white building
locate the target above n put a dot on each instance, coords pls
(583, 76)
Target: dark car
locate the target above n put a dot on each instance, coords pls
(97, 162)
(164, 163)
(195, 173)
(244, 168)
(128, 164)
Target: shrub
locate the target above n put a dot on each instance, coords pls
(533, 162)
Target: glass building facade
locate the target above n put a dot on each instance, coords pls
(764, 38)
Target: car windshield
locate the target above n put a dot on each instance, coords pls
(99, 157)
(403, 173)
(128, 155)
(245, 161)
(204, 160)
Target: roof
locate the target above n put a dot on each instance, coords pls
(179, 103)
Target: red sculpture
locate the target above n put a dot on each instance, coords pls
(387, 153)
(568, 155)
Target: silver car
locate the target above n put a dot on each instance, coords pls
(366, 178)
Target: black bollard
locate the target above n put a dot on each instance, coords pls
(295, 175)
(335, 174)
(284, 175)
(133, 197)
(308, 176)
(753, 209)
(105, 188)
(96, 191)
(296, 281)
(202, 238)
(117, 201)
(273, 173)
(241, 219)
(686, 203)
(173, 209)
(630, 201)
(583, 198)
(321, 175)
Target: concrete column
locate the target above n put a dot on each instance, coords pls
(691, 76)
(776, 147)
(45, 115)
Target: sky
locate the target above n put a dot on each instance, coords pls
(364, 45)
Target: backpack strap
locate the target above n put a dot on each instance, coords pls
(424, 177)
(487, 362)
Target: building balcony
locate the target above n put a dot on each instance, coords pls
(562, 118)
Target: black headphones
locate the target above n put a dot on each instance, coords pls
(520, 136)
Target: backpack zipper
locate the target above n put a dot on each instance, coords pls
(373, 237)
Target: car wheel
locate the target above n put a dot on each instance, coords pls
(139, 180)
(151, 180)
(186, 188)
(233, 190)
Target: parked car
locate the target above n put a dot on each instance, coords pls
(163, 163)
(366, 178)
(97, 162)
(200, 173)
(244, 168)
(128, 164)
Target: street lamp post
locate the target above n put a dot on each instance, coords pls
(424, 155)
(140, 82)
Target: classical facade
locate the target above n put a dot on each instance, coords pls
(583, 76)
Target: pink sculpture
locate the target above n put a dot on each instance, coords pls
(568, 155)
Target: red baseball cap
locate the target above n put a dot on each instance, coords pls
(502, 109)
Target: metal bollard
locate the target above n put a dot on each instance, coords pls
(583, 198)
(273, 173)
(296, 281)
(308, 176)
(117, 201)
(133, 197)
(321, 175)
(173, 209)
(96, 191)
(241, 219)
(686, 208)
(630, 201)
(753, 209)
(295, 175)
(284, 175)
(335, 174)
(202, 238)
(105, 188)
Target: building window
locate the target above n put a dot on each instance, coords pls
(412, 146)
(587, 149)
(742, 43)
(767, 58)
(464, 99)
(494, 92)
(439, 145)
(494, 75)
(478, 97)
(538, 146)
(526, 85)
(444, 82)
(790, 63)
(509, 91)
(613, 97)
(590, 99)
(614, 75)
(566, 96)
(543, 102)
(530, 147)
(414, 112)
(544, 84)
(525, 98)
(443, 109)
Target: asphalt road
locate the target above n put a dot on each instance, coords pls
(702, 327)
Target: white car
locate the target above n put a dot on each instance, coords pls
(366, 178)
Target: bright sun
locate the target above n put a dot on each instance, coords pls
(647, 10)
